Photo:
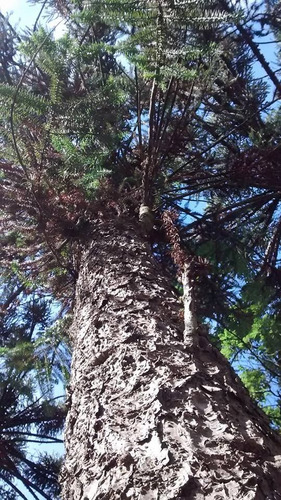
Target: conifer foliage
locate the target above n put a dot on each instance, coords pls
(141, 109)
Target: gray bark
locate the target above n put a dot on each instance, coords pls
(153, 417)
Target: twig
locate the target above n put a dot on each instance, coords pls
(39, 15)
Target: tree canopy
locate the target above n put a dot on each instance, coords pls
(167, 111)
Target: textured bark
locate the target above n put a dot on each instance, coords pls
(153, 417)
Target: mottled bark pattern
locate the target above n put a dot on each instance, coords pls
(150, 417)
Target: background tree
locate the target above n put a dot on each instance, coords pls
(34, 357)
(109, 135)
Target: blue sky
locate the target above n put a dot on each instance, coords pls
(22, 12)
(25, 15)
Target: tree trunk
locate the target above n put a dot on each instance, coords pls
(153, 417)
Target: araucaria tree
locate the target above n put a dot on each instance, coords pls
(111, 133)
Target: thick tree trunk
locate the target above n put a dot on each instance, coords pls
(152, 417)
